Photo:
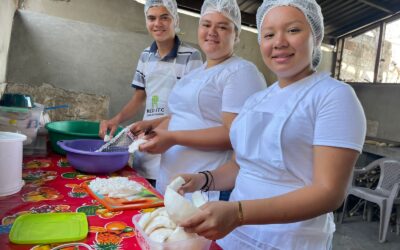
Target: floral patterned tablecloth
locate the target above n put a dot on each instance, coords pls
(52, 186)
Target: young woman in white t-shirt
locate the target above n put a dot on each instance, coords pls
(295, 143)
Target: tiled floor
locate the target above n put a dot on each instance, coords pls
(356, 234)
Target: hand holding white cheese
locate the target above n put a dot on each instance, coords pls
(161, 224)
(178, 208)
(135, 145)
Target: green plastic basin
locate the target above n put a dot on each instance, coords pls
(72, 130)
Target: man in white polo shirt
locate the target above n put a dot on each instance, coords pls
(158, 69)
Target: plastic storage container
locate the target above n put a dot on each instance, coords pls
(46, 228)
(11, 163)
(198, 243)
(39, 146)
(21, 120)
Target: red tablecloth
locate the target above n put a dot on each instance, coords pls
(51, 186)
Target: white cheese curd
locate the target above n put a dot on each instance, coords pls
(161, 234)
(159, 227)
(198, 199)
(178, 207)
(161, 224)
(180, 234)
(115, 187)
(135, 145)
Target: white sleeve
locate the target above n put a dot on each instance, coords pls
(340, 120)
(240, 85)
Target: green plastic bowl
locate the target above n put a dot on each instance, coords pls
(72, 130)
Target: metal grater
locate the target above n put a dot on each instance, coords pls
(120, 142)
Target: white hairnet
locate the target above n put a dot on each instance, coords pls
(170, 5)
(229, 8)
(311, 11)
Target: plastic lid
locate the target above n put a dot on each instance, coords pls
(10, 137)
(49, 228)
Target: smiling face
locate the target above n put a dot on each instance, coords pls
(160, 24)
(287, 44)
(216, 35)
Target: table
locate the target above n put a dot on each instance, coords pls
(51, 186)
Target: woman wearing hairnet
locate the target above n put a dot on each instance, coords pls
(159, 67)
(295, 144)
(204, 102)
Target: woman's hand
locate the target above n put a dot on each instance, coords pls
(215, 220)
(140, 127)
(106, 125)
(160, 140)
(193, 182)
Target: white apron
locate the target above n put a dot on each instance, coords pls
(186, 115)
(158, 87)
(256, 137)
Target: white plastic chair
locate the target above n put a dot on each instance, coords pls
(385, 195)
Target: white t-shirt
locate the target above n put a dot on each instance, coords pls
(230, 84)
(329, 114)
(197, 102)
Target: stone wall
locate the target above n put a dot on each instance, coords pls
(82, 106)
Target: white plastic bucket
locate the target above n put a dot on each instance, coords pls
(11, 151)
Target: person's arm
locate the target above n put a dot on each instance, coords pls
(224, 178)
(164, 123)
(127, 112)
(148, 125)
(208, 139)
(215, 138)
(332, 170)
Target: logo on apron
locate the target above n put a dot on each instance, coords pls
(155, 108)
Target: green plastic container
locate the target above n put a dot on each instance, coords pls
(47, 228)
(72, 130)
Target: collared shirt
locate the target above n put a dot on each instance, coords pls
(185, 58)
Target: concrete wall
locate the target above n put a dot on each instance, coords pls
(7, 10)
(381, 103)
(93, 46)
(90, 46)
(74, 55)
(327, 59)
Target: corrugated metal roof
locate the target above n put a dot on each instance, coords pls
(341, 16)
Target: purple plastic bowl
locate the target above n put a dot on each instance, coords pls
(81, 156)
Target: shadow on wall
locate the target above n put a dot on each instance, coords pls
(82, 106)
